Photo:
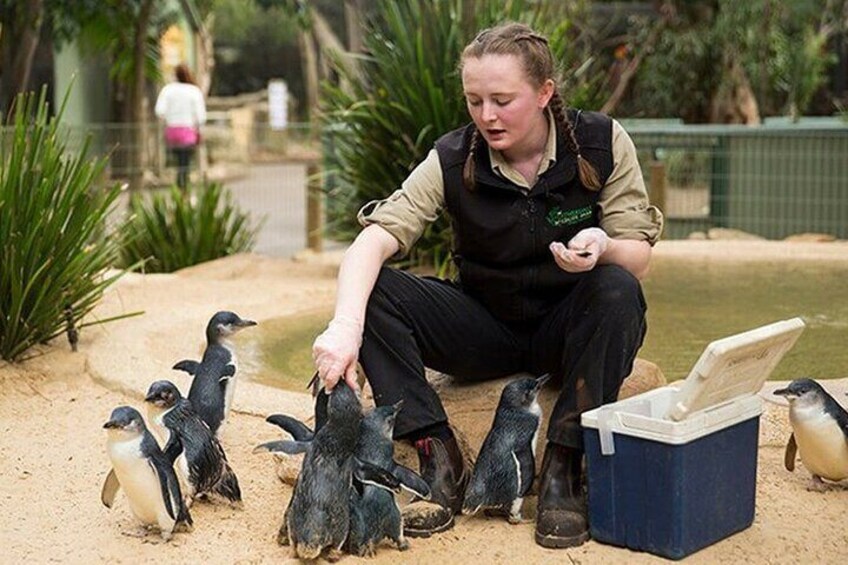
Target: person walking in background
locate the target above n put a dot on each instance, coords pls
(552, 232)
(181, 106)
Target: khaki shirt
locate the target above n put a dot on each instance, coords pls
(625, 212)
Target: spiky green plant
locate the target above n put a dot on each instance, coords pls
(406, 92)
(54, 262)
(173, 230)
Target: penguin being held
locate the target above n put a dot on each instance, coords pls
(506, 464)
(145, 473)
(374, 513)
(213, 387)
(200, 458)
(318, 514)
(819, 432)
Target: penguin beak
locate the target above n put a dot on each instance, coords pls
(245, 323)
(784, 392)
(111, 425)
(397, 406)
(151, 397)
(540, 382)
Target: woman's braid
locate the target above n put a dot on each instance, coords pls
(587, 173)
(468, 180)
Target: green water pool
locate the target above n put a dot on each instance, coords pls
(690, 303)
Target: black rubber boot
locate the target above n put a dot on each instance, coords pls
(562, 515)
(441, 465)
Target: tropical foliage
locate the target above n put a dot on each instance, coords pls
(55, 253)
(386, 114)
(173, 230)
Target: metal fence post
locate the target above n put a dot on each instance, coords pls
(314, 207)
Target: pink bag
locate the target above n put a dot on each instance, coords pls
(181, 136)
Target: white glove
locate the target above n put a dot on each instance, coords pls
(336, 351)
(583, 250)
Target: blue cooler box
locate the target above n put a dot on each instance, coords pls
(674, 470)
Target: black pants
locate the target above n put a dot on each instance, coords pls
(183, 156)
(589, 341)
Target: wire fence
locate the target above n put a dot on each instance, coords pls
(772, 181)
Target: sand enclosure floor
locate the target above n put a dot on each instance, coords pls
(53, 459)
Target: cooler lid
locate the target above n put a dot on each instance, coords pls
(734, 366)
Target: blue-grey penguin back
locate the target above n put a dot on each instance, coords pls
(209, 472)
(505, 467)
(319, 514)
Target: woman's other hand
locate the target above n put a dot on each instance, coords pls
(583, 250)
(336, 351)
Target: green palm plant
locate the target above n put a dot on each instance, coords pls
(406, 92)
(55, 256)
(174, 230)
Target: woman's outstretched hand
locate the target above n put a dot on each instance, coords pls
(336, 351)
(583, 250)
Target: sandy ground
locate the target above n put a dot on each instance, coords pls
(53, 460)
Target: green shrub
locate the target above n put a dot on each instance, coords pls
(53, 268)
(406, 92)
(173, 230)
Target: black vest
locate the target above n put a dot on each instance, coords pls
(501, 232)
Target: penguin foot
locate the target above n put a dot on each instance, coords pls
(138, 533)
(283, 535)
(816, 484)
(334, 554)
(402, 544)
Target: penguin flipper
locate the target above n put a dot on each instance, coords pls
(411, 481)
(789, 456)
(228, 373)
(110, 489)
(322, 400)
(526, 468)
(187, 365)
(173, 448)
(369, 474)
(168, 486)
(283, 446)
(295, 428)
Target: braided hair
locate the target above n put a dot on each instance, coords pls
(538, 62)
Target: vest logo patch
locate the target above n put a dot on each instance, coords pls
(559, 217)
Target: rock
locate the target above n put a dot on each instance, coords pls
(811, 237)
(698, 235)
(288, 467)
(728, 233)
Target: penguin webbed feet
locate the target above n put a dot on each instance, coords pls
(816, 484)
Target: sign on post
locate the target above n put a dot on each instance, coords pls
(278, 104)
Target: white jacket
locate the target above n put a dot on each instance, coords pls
(181, 104)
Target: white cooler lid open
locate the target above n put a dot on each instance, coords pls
(734, 366)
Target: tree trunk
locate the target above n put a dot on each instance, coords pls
(353, 22)
(310, 71)
(19, 46)
(136, 103)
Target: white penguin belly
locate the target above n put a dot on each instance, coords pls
(140, 483)
(230, 387)
(822, 446)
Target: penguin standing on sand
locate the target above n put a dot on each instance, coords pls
(145, 473)
(200, 458)
(506, 464)
(374, 513)
(318, 514)
(819, 432)
(213, 387)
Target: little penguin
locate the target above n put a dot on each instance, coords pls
(200, 459)
(819, 432)
(374, 513)
(213, 387)
(144, 472)
(318, 514)
(506, 464)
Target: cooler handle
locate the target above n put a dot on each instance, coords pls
(605, 417)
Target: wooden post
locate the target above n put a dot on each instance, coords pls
(657, 169)
(314, 208)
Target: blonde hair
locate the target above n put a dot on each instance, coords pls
(535, 55)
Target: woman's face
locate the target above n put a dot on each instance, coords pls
(505, 106)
